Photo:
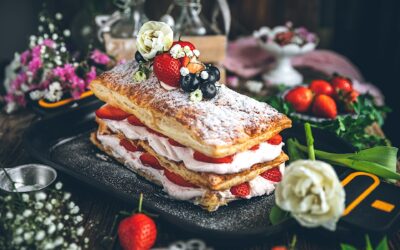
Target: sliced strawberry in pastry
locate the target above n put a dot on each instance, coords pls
(255, 147)
(273, 174)
(128, 145)
(204, 158)
(275, 140)
(175, 143)
(135, 121)
(111, 113)
(155, 132)
(177, 179)
(241, 190)
(151, 161)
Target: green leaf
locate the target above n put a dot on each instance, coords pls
(368, 245)
(294, 153)
(383, 245)
(347, 247)
(277, 215)
(383, 155)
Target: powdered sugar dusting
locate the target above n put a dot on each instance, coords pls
(223, 120)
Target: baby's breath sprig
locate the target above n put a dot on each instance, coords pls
(41, 220)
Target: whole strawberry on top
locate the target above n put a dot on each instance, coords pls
(176, 64)
(138, 231)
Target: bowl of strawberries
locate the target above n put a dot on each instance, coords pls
(322, 99)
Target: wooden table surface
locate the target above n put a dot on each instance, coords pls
(99, 208)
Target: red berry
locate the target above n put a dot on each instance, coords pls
(341, 84)
(151, 161)
(135, 121)
(321, 87)
(255, 147)
(166, 68)
(272, 174)
(324, 106)
(109, 112)
(177, 179)
(175, 143)
(275, 140)
(183, 44)
(137, 232)
(128, 145)
(284, 38)
(204, 158)
(155, 132)
(300, 98)
(352, 96)
(241, 190)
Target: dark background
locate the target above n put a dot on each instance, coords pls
(367, 32)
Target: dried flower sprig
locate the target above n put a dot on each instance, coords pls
(41, 220)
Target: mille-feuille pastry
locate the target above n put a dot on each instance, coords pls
(168, 119)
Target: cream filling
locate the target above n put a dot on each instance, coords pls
(259, 185)
(241, 161)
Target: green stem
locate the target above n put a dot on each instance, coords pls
(310, 141)
(140, 202)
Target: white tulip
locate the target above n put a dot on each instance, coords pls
(312, 192)
(154, 37)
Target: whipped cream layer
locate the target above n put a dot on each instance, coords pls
(259, 185)
(241, 161)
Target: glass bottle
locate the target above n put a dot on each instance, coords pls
(132, 18)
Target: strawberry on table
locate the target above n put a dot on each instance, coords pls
(138, 231)
(204, 158)
(324, 106)
(166, 68)
(241, 190)
(341, 84)
(177, 179)
(321, 87)
(300, 98)
(273, 174)
(112, 113)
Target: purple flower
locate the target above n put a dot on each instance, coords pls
(49, 43)
(91, 75)
(35, 64)
(24, 57)
(99, 57)
(36, 51)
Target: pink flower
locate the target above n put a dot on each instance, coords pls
(91, 75)
(36, 51)
(24, 57)
(64, 72)
(35, 64)
(49, 43)
(99, 57)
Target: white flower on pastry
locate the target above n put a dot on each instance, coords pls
(154, 37)
(311, 191)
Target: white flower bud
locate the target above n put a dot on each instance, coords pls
(40, 196)
(27, 213)
(204, 75)
(196, 52)
(40, 235)
(59, 184)
(184, 71)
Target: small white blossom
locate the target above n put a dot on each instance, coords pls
(54, 36)
(32, 38)
(49, 206)
(58, 185)
(67, 33)
(58, 16)
(79, 218)
(196, 52)
(9, 215)
(18, 240)
(25, 197)
(175, 50)
(184, 71)
(67, 196)
(19, 231)
(40, 235)
(204, 75)
(54, 92)
(66, 217)
(28, 236)
(75, 210)
(47, 221)
(71, 205)
(40, 196)
(52, 228)
(40, 39)
(36, 95)
(196, 95)
(46, 36)
(254, 86)
(63, 49)
(59, 241)
(73, 246)
(51, 27)
(42, 18)
(80, 231)
(27, 213)
(39, 205)
(86, 240)
(60, 226)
